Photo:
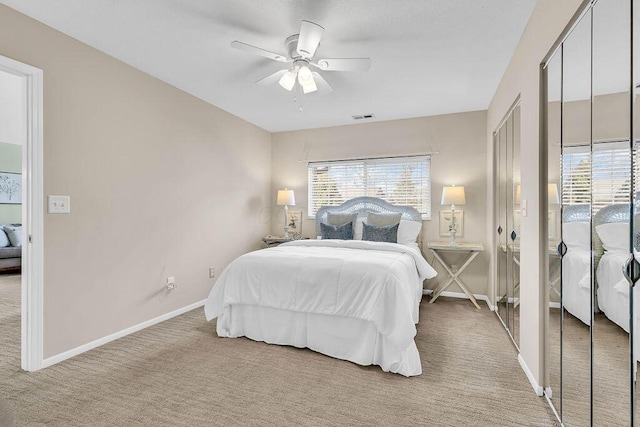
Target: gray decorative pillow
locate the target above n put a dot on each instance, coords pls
(342, 232)
(340, 219)
(14, 234)
(382, 220)
(373, 233)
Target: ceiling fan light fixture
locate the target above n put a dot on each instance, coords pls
(288, 80)
(309, 86)
(304, 75)
(305, 78)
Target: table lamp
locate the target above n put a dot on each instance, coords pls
(286, 198)
(553, 196)
(453, 195)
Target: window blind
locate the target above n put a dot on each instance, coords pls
(397, 180)
(600, 178)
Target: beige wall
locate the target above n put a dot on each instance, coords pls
(161, 184)
(522, 78)
(457, 139)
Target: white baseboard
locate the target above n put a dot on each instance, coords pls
(101, 341)
(462, 295)
(554, 304)
(536, 387)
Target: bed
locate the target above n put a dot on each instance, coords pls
(351, 299)
(612, 228)
(576, 262)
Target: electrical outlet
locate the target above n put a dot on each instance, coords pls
(171, 283)
(212, 272)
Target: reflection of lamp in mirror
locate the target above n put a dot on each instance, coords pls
(553, 196)
(286, 198)
(453, 196)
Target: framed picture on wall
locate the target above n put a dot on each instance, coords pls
(10, 188)
(295, 222)
(446, 224)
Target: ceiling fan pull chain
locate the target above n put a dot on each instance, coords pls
(295, 98)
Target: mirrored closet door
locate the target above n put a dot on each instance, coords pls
(591, 157)
(507, 221)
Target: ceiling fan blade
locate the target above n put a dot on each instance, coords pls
(323, 86)
(344, 64)
(259, 51)
(309, 38)
(271, 78)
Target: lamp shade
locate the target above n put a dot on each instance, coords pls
(286, 197)
(553, 195)
(305, 78)
(287, 80)
(453, 195)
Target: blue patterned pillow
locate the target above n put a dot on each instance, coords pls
(342, 232)
(373, 233)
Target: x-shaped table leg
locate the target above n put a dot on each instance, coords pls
(454, 277)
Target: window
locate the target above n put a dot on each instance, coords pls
(398, 180)
(600, 178)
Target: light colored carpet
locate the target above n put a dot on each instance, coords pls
(180, 373)
(611, 401)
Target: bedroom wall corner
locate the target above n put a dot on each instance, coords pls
(457, 141)
(522, 77)
(161, 184)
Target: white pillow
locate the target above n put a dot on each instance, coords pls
(14, 234)
(577, 236)
(614, 236)
(408, 232)
(4, 240)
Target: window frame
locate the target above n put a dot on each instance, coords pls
(424, 160)
(596, 199)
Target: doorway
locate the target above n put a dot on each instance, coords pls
(28, 81)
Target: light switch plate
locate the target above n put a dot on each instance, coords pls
(59, 204)
(523, 207)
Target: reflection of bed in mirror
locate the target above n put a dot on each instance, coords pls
(612, 228)
(576, 262)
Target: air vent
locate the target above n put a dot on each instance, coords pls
(363, 117)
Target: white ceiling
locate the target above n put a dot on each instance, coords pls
(427, 56)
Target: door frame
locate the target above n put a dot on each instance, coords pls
(32, 324)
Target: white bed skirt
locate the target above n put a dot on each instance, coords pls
(341, 337)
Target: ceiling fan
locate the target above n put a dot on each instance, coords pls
(301, 49)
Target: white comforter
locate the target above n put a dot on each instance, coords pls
(613, 288)
(376, 282)
(576, 284)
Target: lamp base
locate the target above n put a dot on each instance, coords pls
(453, 226)
(286, 222)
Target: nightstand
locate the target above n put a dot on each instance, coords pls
(272, 241)
(471, 248)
